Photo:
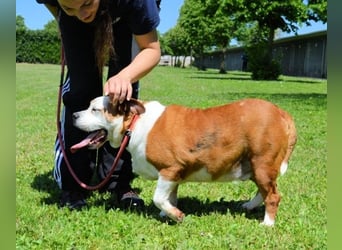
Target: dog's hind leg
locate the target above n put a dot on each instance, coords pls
(265, 177)
(165, 198)
(268, 189)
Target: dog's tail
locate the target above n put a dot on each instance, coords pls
(292, 139)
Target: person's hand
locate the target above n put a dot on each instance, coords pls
(118, 88)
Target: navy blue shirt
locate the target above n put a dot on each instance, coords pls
(142, 16)
(129, 17)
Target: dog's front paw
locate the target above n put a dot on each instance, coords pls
(180, 217)
(268, 221)
(176, 215)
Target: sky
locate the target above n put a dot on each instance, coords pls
(36, 16)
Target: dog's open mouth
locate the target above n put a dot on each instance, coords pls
(93, 141)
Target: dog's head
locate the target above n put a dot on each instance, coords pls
(111, 119)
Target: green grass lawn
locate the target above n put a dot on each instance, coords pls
(214, 219)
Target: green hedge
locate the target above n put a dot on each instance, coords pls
(262, 64)
(37, 46)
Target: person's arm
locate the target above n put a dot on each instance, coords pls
(119, 87)
(146, 59)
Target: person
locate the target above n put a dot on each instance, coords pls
(244, 59)
(96, 33)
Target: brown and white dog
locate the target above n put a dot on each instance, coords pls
(248, 139)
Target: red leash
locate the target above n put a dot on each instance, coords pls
(123, 145)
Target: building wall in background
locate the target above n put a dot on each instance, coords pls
(303, 55)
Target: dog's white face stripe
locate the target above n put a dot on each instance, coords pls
(92, 118)
(97, 117)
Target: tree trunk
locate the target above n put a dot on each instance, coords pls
(270, 44)
(223, 63)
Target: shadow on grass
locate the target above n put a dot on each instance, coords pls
(195, 207)
(312, 99)
(45, 183)
(211, 75)
(189, 205)
(198, 208)
(221, 77)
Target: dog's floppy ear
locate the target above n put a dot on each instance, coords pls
(136, 107)
(132, 106)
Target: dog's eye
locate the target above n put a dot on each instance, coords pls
(94, 110)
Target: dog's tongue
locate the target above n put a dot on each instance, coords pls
(91, 139)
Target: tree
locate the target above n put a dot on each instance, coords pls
(270, 16)
(20, 23)
(174, 42)
(208, 25)
(220, 26)
(37, 46)
(195, 25)
(212, 24)
(318, 10)
(52, 27)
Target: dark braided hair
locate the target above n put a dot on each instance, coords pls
(103, 41)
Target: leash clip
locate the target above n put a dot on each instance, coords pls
(128, 132)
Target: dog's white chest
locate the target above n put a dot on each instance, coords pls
(137, 144)
(144, 169)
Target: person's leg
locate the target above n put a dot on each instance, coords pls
(125, 50)
(73, 196)
(123, 175)
(82, 85)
